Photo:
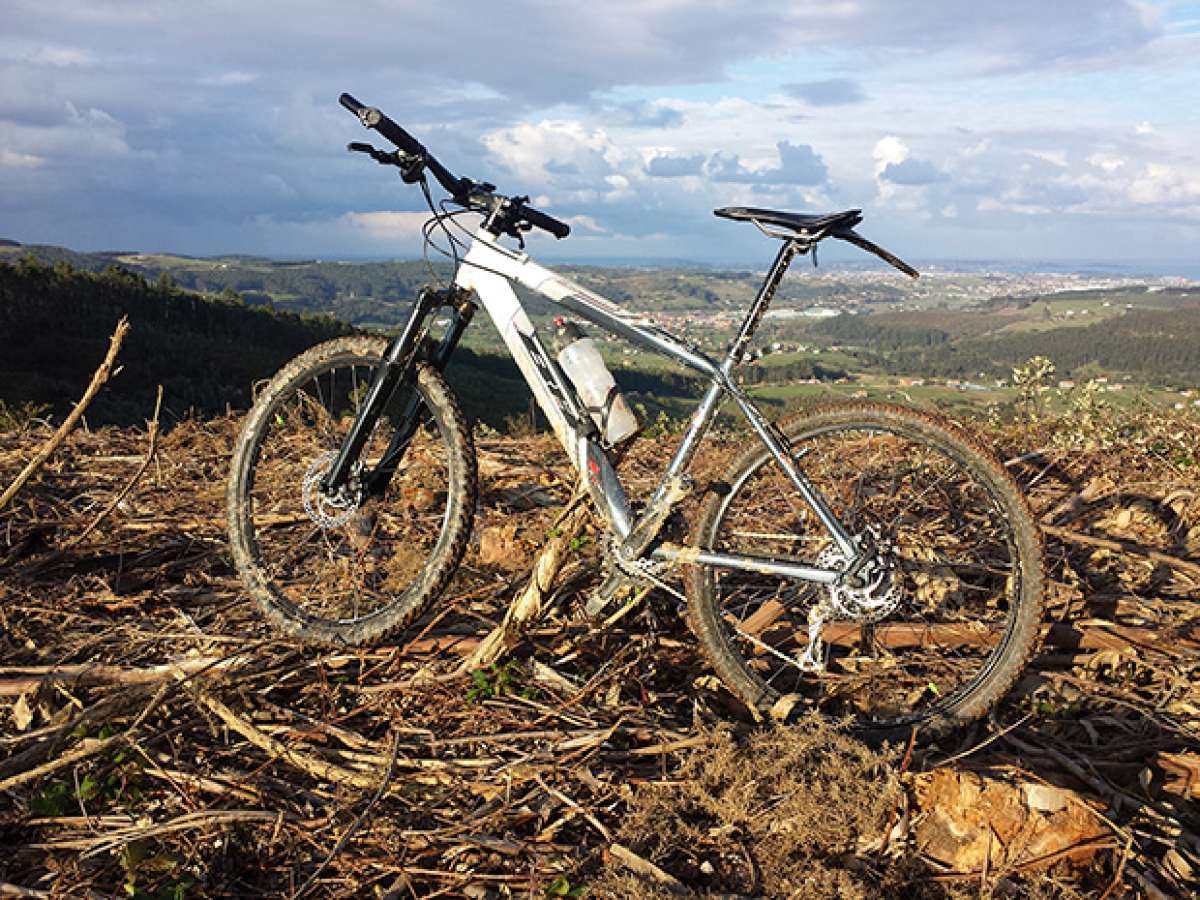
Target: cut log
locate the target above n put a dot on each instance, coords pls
(1070, 636)
(972, 823)
(33, 677)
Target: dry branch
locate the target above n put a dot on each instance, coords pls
(318, 768)
(530, 603)
(99, 377)
(647, 869)
(1068, 636)
(151, 450)
(1191, 567)
(15, 890)
(93, 674)
(85, 750)
(111, 840)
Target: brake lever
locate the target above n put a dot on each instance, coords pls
(412, 166)
(383, 157)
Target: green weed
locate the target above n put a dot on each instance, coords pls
(503, 680)
(562, 887)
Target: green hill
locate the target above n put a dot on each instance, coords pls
(206, 352)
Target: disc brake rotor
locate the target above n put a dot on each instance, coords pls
(326, 511)
(876, 599)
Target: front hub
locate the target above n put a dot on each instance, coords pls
(327, 510)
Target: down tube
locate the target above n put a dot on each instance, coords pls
(505, 310)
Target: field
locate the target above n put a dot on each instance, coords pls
(161, 741)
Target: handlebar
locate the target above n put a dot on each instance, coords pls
(539, 219)
(373, 118)
(461, 189)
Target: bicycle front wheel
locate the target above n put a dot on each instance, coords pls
(944, 622)
(352, 568)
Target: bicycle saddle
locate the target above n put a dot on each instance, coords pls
(805, 224)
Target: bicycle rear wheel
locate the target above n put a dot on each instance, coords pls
(356, 567)
(949, 617)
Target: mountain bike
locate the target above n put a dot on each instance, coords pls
(867, 560)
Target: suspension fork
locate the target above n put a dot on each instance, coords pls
(396, 376)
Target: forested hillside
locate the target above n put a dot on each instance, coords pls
(206, 352)
(1160, 345)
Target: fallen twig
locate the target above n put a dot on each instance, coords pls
(317, 768)
(1128, 547)
(151, 450)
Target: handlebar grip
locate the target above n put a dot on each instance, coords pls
(547, 223)
(350, 103)
(373, 118)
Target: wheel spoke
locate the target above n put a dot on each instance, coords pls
(926, 635)
(329, 562)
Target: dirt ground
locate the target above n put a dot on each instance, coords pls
(158, 740)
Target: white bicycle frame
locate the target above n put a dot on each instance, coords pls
(487, 270)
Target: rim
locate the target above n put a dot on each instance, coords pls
(943, 622)
(353, 559)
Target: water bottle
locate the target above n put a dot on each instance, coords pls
(580, 359)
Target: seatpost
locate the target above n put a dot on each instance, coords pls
(766, 292)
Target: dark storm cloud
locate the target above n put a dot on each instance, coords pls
(830, 92)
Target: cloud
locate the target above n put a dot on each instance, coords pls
(1108, 164)
(830, 92)
(553, 147)
(66, 134)
(889, 151)
(572, 52)
(641, 114)
(39, 54)
(669, 166)
(1160, 184)
(798, 164)
(587, 225)
(18, 160)
(139, 123)
(235, 78)
(387, 225)
(911, 172)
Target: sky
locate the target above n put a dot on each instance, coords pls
(1023, 130)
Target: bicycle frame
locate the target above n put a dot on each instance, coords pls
(487, 271)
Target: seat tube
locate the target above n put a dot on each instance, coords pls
(766, 292)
